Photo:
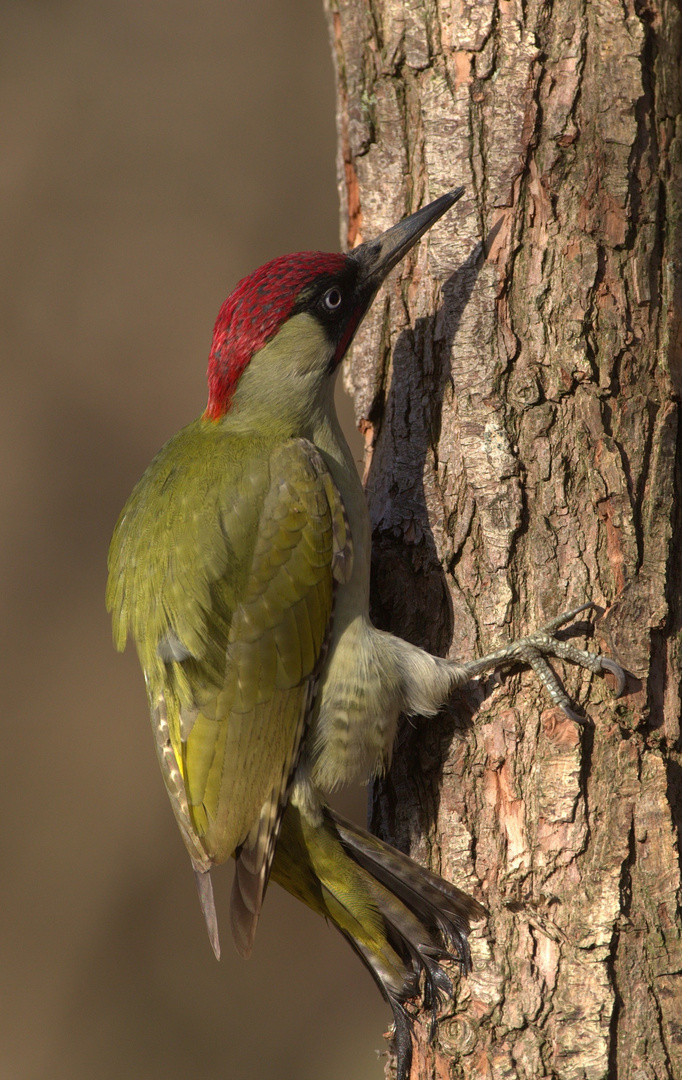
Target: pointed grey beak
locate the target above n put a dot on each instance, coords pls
(378, 257)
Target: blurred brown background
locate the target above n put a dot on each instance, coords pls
(152, 154)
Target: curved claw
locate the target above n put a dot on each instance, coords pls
(565, 617)
(572, 715)
(618, 673)
(554, 688)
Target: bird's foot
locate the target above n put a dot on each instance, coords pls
(533, 650)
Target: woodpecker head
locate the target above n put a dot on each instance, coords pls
(289, 324)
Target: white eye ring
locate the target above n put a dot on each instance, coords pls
(332, 299)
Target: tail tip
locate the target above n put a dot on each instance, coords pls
(207, 901)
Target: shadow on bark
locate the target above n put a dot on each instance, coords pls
(410, 595)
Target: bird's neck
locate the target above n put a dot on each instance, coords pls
(328, 437)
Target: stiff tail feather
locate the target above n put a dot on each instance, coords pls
(400, 918)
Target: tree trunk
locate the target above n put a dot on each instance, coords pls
(516, 384)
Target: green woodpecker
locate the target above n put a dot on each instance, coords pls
(240, 566)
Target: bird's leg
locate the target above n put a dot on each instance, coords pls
(533, 649)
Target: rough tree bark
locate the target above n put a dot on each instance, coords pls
(517, 387)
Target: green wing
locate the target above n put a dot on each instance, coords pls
(227, 584)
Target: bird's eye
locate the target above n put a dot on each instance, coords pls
(332, 300)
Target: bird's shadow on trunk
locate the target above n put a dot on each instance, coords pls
(410, 595)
